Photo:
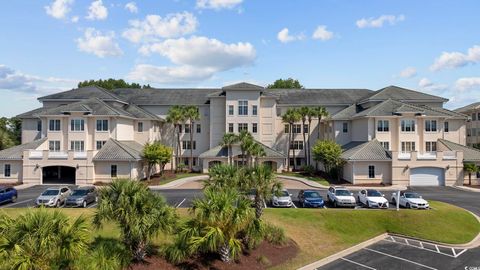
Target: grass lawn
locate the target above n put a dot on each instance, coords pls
(322, 232)
(318, 179)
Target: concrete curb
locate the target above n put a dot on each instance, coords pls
(469, 189)
(179, 182)
(320, 186)
(24, 186)
(343, 253)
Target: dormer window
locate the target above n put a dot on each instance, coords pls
(242, 107)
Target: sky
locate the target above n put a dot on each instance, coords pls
(48, 46)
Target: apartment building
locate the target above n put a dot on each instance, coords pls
(391, 136)
(473, 124)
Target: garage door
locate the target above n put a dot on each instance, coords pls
(427, 176)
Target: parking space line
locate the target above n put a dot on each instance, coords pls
(92, 205)
(294, 205)
(400, 258)
(180, 203)
(12, 204)
(359, 264)
(461, 252)
(437, 250)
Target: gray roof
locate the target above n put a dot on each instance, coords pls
(402, 94)
(16, 152)
(347, 113)
(317, 97)
(371, 150)
(473, 106)
(391, 107)
(154, 96)
(469, 153)
(83, 93)
(243, 86)
(114, 150)
(222, 151)
(95, 106)
(32, 113)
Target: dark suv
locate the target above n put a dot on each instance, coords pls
(81, 197)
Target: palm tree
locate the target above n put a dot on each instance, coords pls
(319, 112)
(139, 213)
(41, 239)
(255, 150)
(219, 218)
(304, 112)
(470, 168)
(228, 140)
(192, 114)
(245, 139)
(310, 115)
(263, 181)
(290, 117)
(224, 176)
(6, 140)
(176, 118)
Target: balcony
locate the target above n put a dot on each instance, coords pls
(65, 155)
(57, 154)
(427, 156)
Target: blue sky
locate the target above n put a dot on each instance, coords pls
(48, 46)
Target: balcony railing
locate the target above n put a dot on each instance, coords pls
(58, 154)
(70, 155)
(434, 156)
(80, 155)
(35, 154)
(427, 155)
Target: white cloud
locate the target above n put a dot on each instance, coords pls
(75, 19)
(218, 4)
(59, 9)
(132, 7)
(408, 72)
(378, 22)
(468, 83)
(424, 82)
(456, 59)
(154, 26)
(322, 33)
(196, 58)
(13, 80)
(101, 45)
(284, 36)
(97, 11)
(432, 88)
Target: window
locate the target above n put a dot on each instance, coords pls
(140, 127)
(254, 128)
(187, 146)
(102, 125)
(54, 125)
(469, 132)
(474, 116)
(297, 128)
(287, 128)
(187, 128)
(230, 109)
(345, 127)
(180, 128)
(445, 127)
(371, 171)
(478, 116)
(199, 128)
(77, 146)
(7, 170)
(77, 125)
(242, 107)
(383, 126)
(385, 145)
(408, 125)
(254, 110)
(305, 129)
(54, 146)
(230, 127)
(242, 126)
(430, 125)
(113, 170)
(408, 146)
(431, 146)
(296, 145)
(39, 125)
(100, 144)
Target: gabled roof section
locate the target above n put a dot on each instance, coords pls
(318, 97)
(371, 150)
(83, 93)
(156, 96)
(469, 107)
(346, 114)
(402, 94)
(469, 154)
(32, 113)
(243, 86)
(114, 150)
(16, 152)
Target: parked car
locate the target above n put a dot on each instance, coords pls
(81, 197)
(410, 200)
(8, 194)
(283, 199)
(340, 196)
(53, 197)
(310, 198)
(372, 198)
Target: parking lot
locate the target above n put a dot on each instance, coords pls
(401, 253)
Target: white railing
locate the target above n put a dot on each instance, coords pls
(449, 155)
(427, 155)
(57, 154)
(35, 154)
(82, 155)
(404, 155)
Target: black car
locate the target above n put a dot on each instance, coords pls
(81, 197)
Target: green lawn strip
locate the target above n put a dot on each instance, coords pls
(323, 232)
(177, 177)
(317, 179)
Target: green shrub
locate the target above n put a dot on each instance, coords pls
(263, 260)
(308, 170)
(275, 235)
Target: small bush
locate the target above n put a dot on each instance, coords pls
(263, 260)
(275, 235)
(308, 170)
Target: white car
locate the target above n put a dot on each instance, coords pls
(340, 196)
(283, 199)
(410, 200)
(372, 198)
(53, 197)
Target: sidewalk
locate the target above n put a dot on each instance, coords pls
(180, 182)
(467, 188)
(314, 184)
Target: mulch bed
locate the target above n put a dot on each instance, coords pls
(472, 186)
(10, 184)
(264, 256)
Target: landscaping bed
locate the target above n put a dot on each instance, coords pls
(167, 177)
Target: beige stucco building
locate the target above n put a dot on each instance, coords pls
(392, 136)
(473, 124)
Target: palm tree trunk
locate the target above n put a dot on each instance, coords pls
(304, 143)
(139, 252)
(288, 150)
(224, 252)
(469, 179)
(149, 171)
(293, 154)
(191, 146)
(179, 146)
(258, 206)
(308, 142)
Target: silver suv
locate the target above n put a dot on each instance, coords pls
(53, 197)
